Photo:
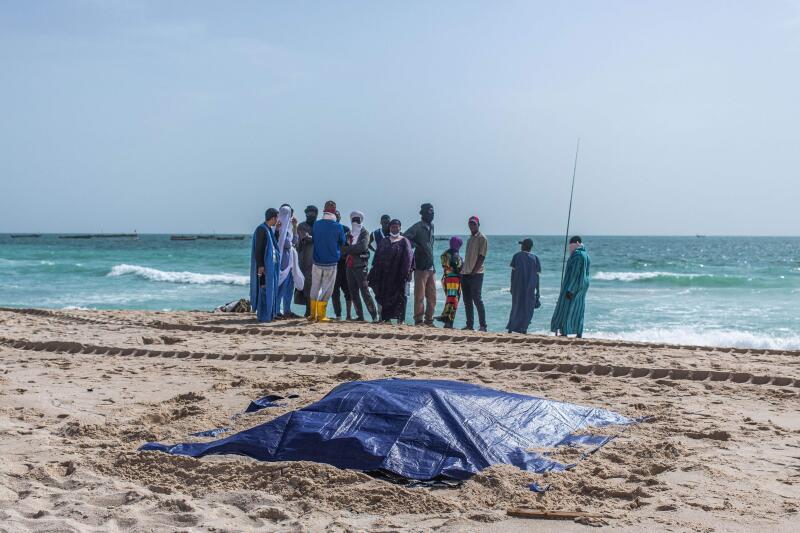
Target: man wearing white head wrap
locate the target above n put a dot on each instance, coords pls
(357, 260)
(290, 275)
(356, 220)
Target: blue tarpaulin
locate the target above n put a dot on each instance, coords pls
(417, 429)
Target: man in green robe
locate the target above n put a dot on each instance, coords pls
(568, 316)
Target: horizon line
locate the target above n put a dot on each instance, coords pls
(222, 234)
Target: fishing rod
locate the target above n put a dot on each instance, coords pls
(569, 213)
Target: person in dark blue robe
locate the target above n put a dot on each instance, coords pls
(525, 269)
(265, 269)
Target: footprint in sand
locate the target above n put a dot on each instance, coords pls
(119, 499)
(273, 514)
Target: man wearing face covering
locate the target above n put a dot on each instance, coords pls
(356, 253)
(290, 275)
(375, 239)
(305, 260)
(421, 237)
(568, 316)
(311, 213)
(341, 287)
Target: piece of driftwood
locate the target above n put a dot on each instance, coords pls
(549, 515)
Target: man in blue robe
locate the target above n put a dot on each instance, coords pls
(525, 269)
(264, 269)
(568, 316)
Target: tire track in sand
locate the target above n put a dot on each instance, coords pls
(491, 338)
(612, 371)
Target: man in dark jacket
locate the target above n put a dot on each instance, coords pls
(421, 237)
(379, 234)
(341, 287)
(356, 254)
(375, 239)
(305, 258)
(311, 213)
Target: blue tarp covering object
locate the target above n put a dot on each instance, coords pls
(417, 429)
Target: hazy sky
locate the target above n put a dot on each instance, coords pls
(196, 116)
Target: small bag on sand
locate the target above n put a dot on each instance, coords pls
(239, 306)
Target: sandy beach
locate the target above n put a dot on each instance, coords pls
(82, 390)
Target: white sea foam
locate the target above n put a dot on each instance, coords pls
(638, 276)
(25, 262)
(16, 262)
(192, 278)
(726, 338)
(77, 308)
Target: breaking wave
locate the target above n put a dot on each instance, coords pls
(192, 278)
(675, 279)
(640, 276)
(725, 338)
(24, 262)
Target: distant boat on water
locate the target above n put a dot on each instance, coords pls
(115, 236)
(207, 237)
(26, 236)
(101, 236)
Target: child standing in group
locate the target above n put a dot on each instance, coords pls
(451, 281)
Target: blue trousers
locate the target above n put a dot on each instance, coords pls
(285, 294)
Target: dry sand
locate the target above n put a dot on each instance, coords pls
(81, 391)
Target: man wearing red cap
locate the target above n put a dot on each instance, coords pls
(328, 241)
(472, 275)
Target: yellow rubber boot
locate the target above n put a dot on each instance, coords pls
(314, 306)
(322, 312)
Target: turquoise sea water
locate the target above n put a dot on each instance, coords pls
(716, 291)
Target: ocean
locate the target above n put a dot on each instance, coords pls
(712, 291)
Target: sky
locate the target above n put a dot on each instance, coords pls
(167, 117)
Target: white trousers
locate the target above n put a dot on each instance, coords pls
(323, 278)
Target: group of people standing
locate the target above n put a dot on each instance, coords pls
(320, 259)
